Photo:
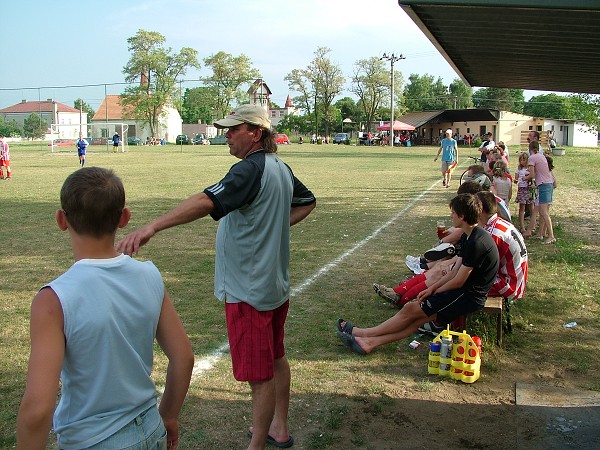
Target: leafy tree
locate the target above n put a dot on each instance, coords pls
(349, 109)
(586, 107)
(548, 105)
(159, 69)
(371, 84)
(198, 104)
(460, 95)
(318, 85)
(83, 106)
(229, 74)
(295, 124)
(9, 128)
(34, 127)
(423, 93)
(500, 98)
(329, 82)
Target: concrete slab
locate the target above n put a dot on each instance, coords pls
(540, 395)
(557, 418)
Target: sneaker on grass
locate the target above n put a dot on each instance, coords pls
(431, 328)
(440, 251)
(414, 264)
(386, 293)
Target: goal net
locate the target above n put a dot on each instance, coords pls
(95, 133)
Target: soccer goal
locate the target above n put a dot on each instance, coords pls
(100, 133)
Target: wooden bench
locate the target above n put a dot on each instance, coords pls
(496, 306)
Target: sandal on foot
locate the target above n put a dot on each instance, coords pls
(270, 440)
(549, 241)
(346, 328)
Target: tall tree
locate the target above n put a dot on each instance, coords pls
(586, 107)
(329, 82)
(198, 104)
(349, 109)
(83, 106)
(549, 106)
(229, 74)
(155, 68)
(9, 128)
(500, 98)
(460, 95)
(34, 127)
(424, 93)
(371, 84)
(318, 85)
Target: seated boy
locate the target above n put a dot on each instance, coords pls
(93, 328)
(461, 291)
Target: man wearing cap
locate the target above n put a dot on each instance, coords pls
(256, 203)
(449, 157)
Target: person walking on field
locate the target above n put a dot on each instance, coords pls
(93, 329)
(81, 148)
(256, 203)
(449, 149)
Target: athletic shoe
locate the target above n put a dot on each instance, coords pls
(431, 328)
(414, 264)
(386, 293)
(441, 251)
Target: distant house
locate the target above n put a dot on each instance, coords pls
(63, 121)
(113, 117)
(509, 127)
(260, 95)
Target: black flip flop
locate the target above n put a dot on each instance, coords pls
(347, 328)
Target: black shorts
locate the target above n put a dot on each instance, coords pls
(449, 305)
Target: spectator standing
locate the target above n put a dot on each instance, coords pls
(256, 202)
(449, 149)
(486, 147)
(544, 180)
(4, 158)
(523, 183)
(93, 328)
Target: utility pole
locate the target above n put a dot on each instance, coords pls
(392, 58)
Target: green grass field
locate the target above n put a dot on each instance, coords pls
(375, 205)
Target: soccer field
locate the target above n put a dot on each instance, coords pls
(374, 206)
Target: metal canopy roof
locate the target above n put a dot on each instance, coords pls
(549, 45)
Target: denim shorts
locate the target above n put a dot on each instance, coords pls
(545, 193)
(145, 432)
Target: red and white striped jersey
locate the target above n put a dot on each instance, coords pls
(512, 273)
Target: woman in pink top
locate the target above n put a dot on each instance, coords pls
(539, 170)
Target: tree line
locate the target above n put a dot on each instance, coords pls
(155, 73)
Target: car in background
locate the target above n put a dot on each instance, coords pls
(218, 140)
(199, 139)
(281, 138)
(62, 142)
(342, 138)
(182, 139)
(99, 141)
(134, 140)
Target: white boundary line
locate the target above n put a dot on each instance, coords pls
(206, 363)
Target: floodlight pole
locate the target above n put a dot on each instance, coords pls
(392, 58)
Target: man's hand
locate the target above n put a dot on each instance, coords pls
(132, 242)
(424, 294)
(172, 427)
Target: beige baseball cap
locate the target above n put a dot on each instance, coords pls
(253, 114)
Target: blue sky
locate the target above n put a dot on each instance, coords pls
(76, 43)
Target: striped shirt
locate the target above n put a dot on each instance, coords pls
(512, 273)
